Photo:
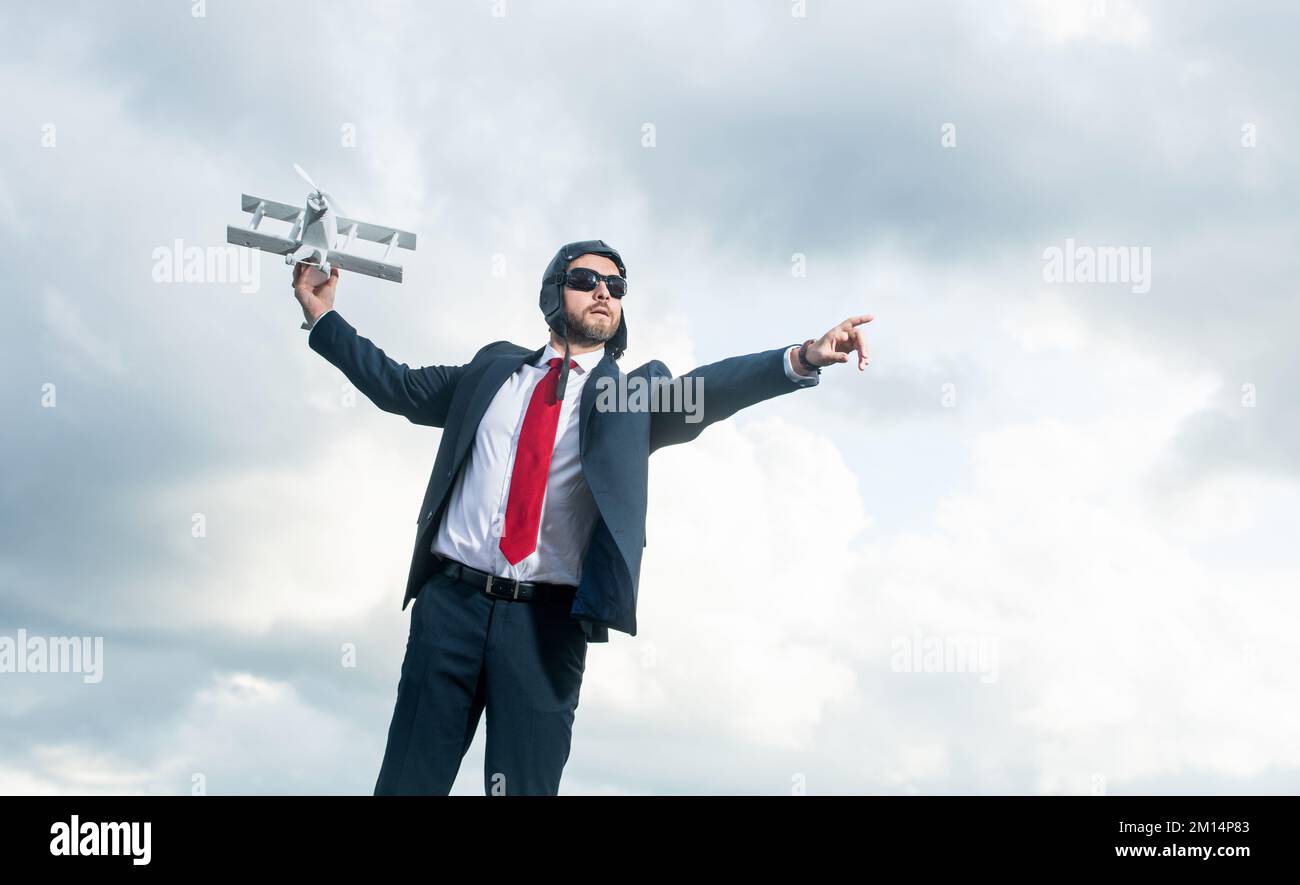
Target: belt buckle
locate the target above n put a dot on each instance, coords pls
(487, 587)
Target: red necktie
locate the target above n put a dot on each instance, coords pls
(532, 466)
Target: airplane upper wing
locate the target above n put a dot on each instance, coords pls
(366, 266)
(376, 233)
(242, 236)
(271, 209)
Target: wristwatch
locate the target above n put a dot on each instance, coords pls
(803, 356)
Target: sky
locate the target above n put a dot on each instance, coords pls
(1044, 544)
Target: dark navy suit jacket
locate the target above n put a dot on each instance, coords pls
(614, 445)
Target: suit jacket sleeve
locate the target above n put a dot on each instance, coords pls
(725, 387)
(421, 395)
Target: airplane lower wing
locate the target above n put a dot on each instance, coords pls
(255, 239)
(367, 266)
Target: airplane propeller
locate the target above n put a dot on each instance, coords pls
(327, 197)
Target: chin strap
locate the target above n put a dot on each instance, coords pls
(564, 371)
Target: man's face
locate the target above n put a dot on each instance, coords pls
(593, 316)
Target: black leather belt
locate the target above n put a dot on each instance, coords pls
(508, 588)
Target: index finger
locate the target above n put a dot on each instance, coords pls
(859, 320)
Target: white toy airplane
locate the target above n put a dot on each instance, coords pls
(314, 238)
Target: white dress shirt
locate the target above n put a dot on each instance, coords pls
(469, 531)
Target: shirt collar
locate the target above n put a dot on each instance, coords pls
(586, 361)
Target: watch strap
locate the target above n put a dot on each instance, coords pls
(803, 356)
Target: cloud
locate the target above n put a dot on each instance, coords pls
(239, 734)
(74, 343)
(1111, 21)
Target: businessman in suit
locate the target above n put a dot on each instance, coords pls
(529, 538)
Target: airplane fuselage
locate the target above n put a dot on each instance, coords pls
(319, 235)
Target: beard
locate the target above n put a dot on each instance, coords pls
(585, 330)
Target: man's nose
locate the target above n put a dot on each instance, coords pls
(601, 289)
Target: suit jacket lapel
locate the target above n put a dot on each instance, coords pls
(489, 382)
(603, 368)
(496, 373)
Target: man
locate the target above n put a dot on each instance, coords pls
(533, 522)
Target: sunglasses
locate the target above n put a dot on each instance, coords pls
(584, 279)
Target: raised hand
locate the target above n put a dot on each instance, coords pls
(315, 300)
(842, 340)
